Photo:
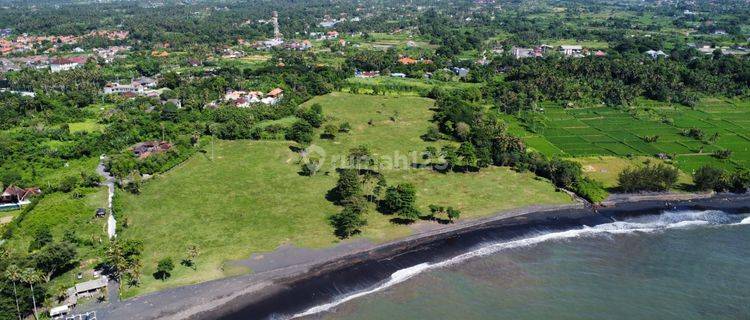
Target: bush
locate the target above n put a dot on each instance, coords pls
(590, 190)
(709, 178)
(723, 154)
(649, 177)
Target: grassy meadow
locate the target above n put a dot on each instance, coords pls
(250, 197)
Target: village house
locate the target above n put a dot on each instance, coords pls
(571, 51)
(145, 149)
(366, 74)
(330, 35)
(140, 86)
(520, 53)
(14, 196)
(64, 64)
(244, 99)
(110, 54)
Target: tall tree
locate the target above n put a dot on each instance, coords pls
(30, 277)
(14, 274)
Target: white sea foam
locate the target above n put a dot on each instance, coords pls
(644, 224)
(396, 277)
(744, 221)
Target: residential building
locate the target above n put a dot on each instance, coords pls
(571, 50)
(64, 64)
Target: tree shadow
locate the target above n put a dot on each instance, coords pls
(296, 149)
(436, 219)
(161, 275)
(401, 221)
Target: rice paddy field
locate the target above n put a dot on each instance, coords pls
(604, 131)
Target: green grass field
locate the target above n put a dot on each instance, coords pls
(85, 126)
(251, 199)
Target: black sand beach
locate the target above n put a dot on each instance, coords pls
(293, 280)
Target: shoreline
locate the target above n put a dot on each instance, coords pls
(221, 297)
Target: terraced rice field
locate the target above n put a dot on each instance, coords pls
(604, 131)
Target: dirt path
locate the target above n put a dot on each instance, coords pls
(109, 181)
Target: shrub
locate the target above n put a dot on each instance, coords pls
(723, 154)
(709, 178)
(649, 177)
(590, 190)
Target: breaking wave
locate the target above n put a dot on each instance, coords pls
(644, 224)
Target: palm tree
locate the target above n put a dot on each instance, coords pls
(31, 276)
(13, 272)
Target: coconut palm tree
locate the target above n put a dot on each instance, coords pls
(13, 272)
(31, 276)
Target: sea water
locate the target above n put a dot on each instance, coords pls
(675, 265)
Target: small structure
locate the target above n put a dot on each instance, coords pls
(91, 287)
(398, 75)
(59, 312)
(655, 54)
(461, 72)
(145, 149)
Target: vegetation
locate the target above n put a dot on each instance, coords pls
(442, 122)
(648, 177)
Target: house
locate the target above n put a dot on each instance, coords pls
(276, 93)
(330, 35)
(407, 61)
(14, 195)
(244, 99)
(600, 53)
(145, 149)
(655, 54)
(140, 86)
(100, 213)
(520, 53)
(64, 64)
(366, 74)
(571, 50)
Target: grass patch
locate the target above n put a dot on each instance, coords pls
(251, 199)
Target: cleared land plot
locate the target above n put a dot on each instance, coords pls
(251, 199)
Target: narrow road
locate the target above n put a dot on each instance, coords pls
(109, 181)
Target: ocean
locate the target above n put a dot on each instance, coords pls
(672, 265)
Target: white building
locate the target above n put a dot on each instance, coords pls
(571, 50)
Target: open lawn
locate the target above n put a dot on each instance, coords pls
(251, 199)
(85, 126)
